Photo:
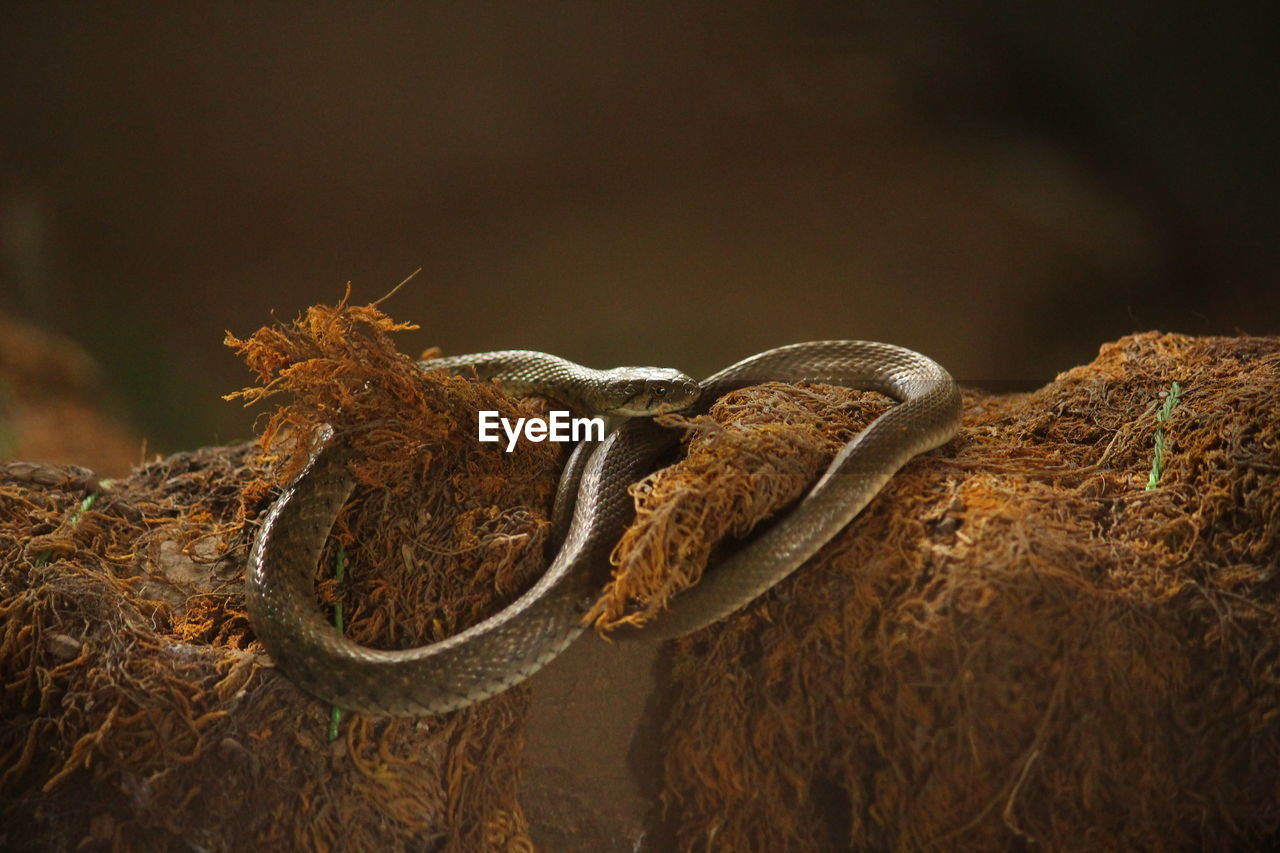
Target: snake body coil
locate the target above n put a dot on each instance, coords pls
(514, 643)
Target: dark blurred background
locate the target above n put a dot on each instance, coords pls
(1003, 185)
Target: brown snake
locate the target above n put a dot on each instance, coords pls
(507, 647)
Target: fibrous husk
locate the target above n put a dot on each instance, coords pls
(138, 712)
(1016, 644)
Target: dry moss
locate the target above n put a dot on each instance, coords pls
(137, 712)
(757, 452)
(1015, 644)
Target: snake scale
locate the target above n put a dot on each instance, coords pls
(507, 647)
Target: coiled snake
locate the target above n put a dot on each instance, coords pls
(514, 643)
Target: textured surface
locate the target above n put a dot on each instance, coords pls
(509, 646)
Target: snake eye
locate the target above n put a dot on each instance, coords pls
(660, 390)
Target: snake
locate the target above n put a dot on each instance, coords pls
(509, 646)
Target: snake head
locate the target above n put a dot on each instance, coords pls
(647, 391)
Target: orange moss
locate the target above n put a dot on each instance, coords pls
(138, 714)
(1016, 643)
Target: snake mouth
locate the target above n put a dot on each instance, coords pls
(648, 403)
(643, 411)
(662, 408)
